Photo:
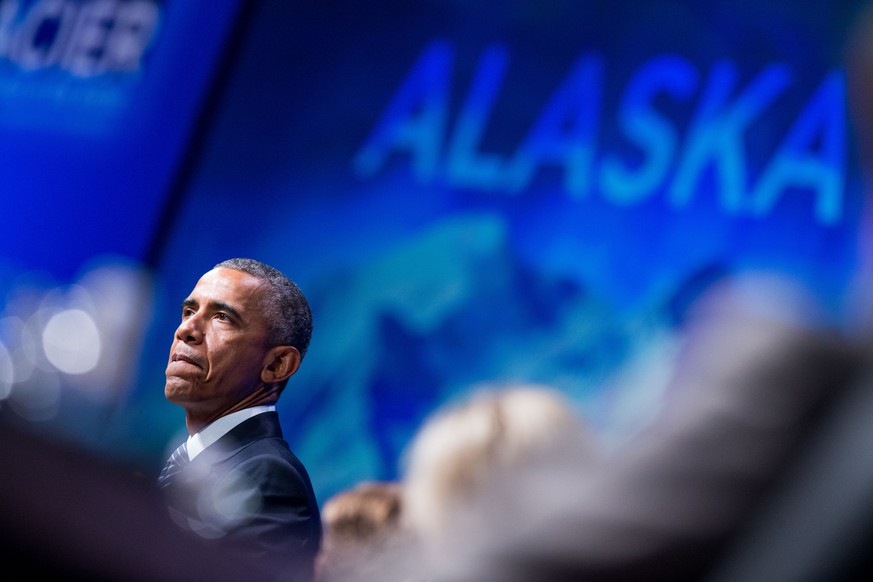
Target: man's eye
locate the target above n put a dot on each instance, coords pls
(222, 316)
(187, 312)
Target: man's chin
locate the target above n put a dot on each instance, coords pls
(177, 390)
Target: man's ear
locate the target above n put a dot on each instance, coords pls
(280, 363)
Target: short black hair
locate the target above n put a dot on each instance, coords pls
(286, 308)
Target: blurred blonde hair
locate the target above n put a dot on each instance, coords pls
(463, 446)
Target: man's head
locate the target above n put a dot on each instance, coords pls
(285, 306)
(245, 328)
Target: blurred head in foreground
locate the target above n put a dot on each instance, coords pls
(464, 449)
(361, 525)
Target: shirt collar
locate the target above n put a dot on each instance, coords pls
(220, 427)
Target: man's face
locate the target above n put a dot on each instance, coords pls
(220, 346)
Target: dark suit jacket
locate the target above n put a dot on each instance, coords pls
(249, 492)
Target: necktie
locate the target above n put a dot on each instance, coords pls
(174, 465)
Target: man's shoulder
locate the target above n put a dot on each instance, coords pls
(268, 450)
(257, 452)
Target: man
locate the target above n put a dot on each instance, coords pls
(244, 331)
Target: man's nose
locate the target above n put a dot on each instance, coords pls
(189, 330)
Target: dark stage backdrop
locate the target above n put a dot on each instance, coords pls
(98, 101)
(100, 105)
(488, 191)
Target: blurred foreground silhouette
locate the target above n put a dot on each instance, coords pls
(70, 515)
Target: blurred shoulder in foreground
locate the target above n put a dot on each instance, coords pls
(70, 515)
(740, 461)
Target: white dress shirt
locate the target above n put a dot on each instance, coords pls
(218, 428)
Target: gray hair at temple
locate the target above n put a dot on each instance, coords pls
(286, 307)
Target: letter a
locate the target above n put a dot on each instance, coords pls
(797, 165)
(415, 119)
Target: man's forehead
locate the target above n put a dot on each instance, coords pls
(224, 284)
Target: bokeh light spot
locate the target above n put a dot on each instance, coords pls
(71, 341)
(7, 372)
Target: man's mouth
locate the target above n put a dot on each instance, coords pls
(184, 358)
